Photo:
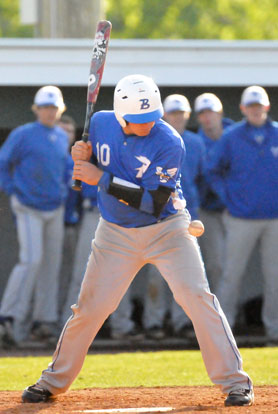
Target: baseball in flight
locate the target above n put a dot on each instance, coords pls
(196, 228)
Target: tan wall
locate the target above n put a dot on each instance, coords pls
(68, 18)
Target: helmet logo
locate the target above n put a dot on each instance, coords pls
(145, 103)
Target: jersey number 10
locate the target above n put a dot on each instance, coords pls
(103, 154)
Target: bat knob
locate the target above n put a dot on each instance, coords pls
(77, 185)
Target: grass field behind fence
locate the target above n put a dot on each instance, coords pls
(140, 369)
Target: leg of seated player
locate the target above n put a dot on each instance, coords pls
(18, 293)
(86, 234)
(47, 286)
(212, 245)
(155, 304)
(241, 238)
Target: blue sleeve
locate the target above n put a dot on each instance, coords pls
(89, 191)
(105, 181)
(217, 166)
(9, 157)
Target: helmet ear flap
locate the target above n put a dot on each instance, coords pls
(121, 120)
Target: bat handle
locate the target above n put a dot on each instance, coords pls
(77, 184)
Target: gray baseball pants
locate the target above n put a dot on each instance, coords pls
(117, 255)
(150, 287)
(40, 236)
(212, 245)
(241, 238)
(159, 300)
(87, 230)
(155, 301)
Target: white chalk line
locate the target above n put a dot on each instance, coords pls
(130, 410)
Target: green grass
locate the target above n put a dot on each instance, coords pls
(147, 369)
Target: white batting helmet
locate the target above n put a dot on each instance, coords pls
(137, 100)
(50, 95)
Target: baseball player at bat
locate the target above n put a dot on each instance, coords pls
(143, 220)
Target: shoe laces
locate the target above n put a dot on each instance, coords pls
(37, 387)
(240, 391)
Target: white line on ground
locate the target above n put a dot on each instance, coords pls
(130, 410)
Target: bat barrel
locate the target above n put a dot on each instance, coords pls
(96, 70)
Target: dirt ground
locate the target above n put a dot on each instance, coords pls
(185, 400)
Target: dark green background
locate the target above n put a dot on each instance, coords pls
(15, 103)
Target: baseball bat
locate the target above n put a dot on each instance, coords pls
(100, 48)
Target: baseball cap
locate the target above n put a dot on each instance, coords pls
(176, 102)
(208, 101)
(49, 95)
(254, 94)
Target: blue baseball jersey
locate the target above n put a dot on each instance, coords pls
(192, 171)
(148, 162)
(33, 164)
(243, 170)
(209, 198)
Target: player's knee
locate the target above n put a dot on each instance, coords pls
(89, 310)
(81, 312)
(184, 294)
(113, 307)
(31, 264)
(30, 257)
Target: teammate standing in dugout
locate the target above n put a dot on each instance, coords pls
(33, 165)
(143, 220)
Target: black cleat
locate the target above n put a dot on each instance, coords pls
(240, 397)
(134, 335)
(156, 332)
(6, 333)
(35, 394)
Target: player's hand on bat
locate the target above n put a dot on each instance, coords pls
(81, 151)
(86, 172)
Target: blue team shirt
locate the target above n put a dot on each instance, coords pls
(33, 163)
(192, 170)
(243, 170)
(148, 162)
(209, 199)
(71, 216)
